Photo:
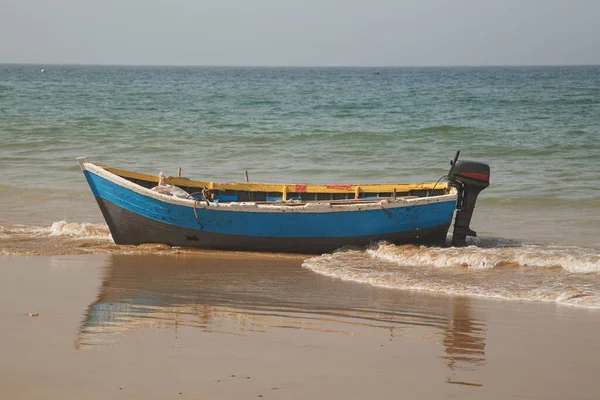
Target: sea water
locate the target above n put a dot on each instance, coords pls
(537, 127)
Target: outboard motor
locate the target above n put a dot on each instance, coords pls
(469, 178)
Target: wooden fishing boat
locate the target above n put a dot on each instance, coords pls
(177, 211)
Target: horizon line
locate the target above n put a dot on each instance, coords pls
(302, 66)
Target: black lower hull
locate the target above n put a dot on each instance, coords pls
(129, 228)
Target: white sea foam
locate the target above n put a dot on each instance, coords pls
(79, 230)
(572, 259)
(71, 230)
(564, 275)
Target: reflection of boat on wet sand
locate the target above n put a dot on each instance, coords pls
(464, 340)
(214, 293)
(140, 208)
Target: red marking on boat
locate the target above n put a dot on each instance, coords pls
(300, 189)
(340, 187)
(481, 177)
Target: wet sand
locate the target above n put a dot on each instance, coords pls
(233, 325)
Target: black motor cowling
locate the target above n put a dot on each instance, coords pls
(469, 178)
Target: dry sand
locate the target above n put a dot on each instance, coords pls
(229, 325)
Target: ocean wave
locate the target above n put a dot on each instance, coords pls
(73, 230)
(60, 238)
(500, 253)
(559, 274)
(79, 230)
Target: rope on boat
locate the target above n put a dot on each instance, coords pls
(195, 212)
(389, 213)
(205, 192)
(191, 196)
(445, 176)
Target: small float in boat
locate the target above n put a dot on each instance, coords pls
(140, 208)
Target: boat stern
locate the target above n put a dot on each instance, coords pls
(469, 178)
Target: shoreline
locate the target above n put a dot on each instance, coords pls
(489, 267)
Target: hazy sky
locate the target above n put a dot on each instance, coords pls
(300, 32)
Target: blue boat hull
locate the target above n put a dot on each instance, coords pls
(135, 218)
(131, 228)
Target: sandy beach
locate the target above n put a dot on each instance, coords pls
(235, 325)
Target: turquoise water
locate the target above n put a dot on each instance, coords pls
(537, 127)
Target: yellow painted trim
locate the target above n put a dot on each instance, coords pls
(130, 174)
(355, 189)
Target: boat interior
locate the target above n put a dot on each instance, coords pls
(289, 193)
